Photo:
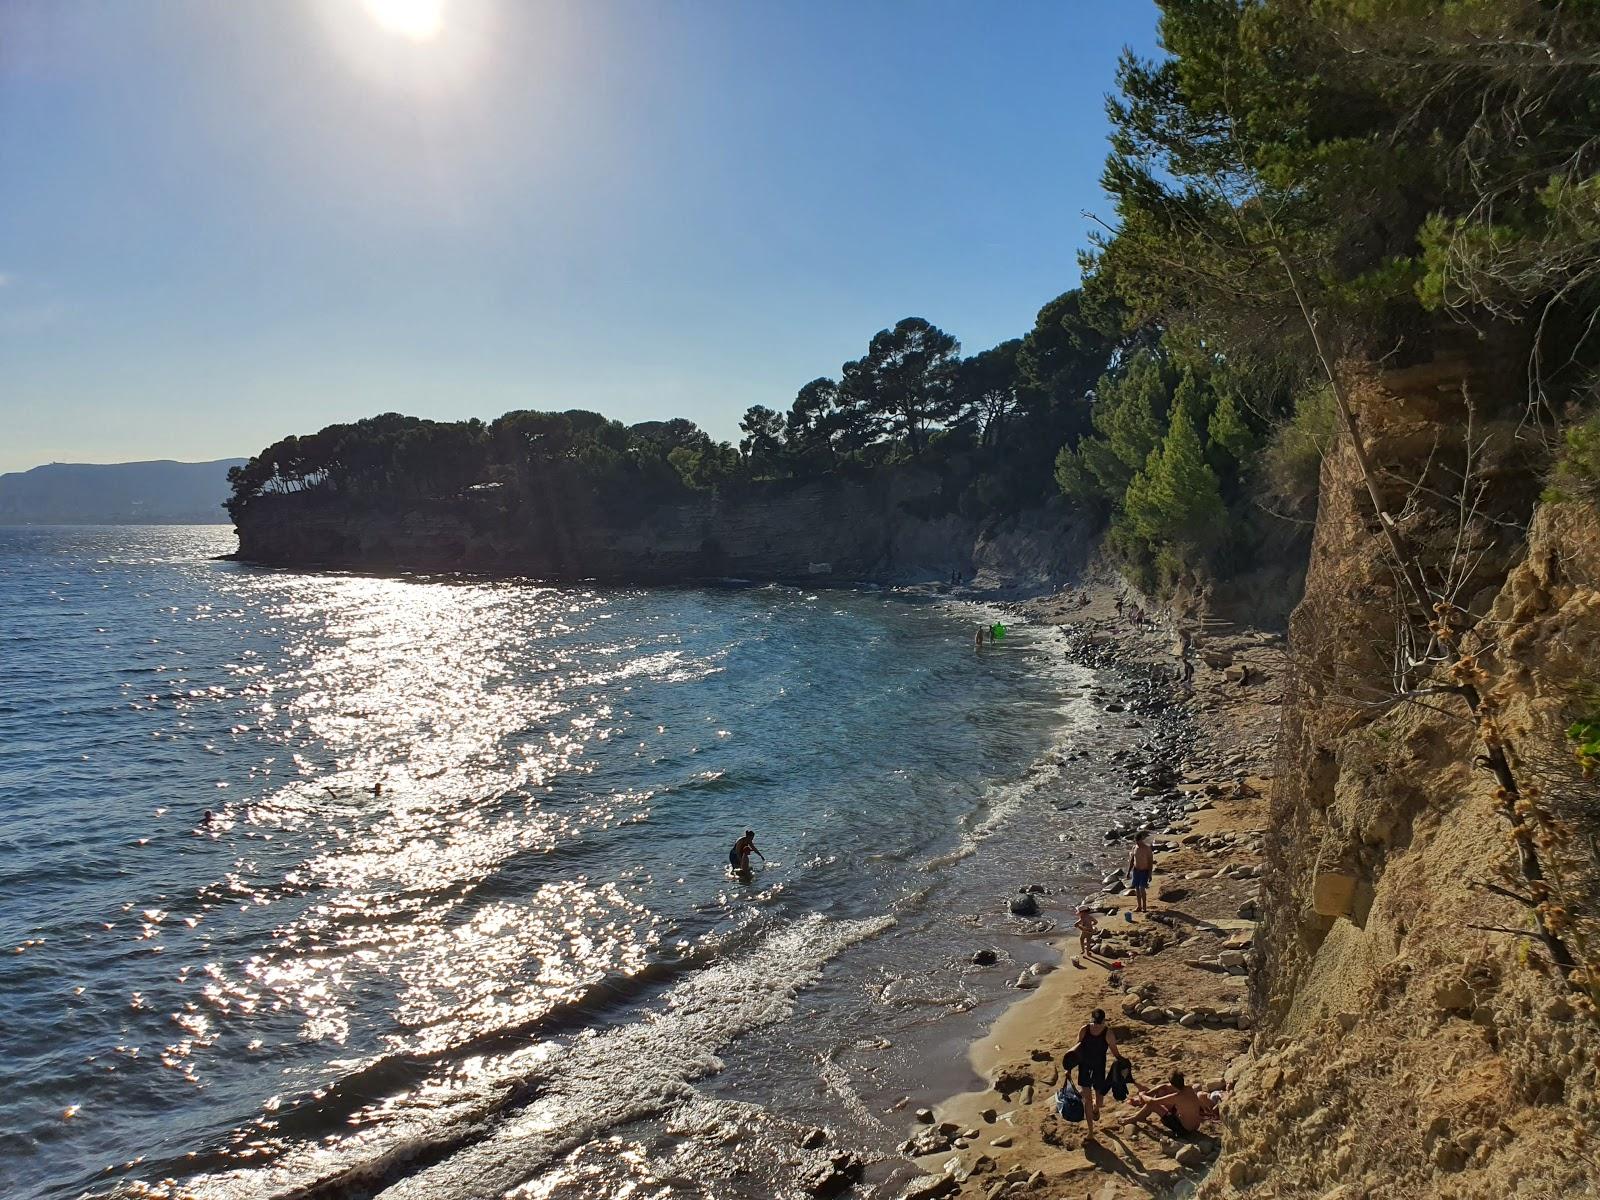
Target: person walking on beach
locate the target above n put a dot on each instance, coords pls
(1184, 646)
(1178, 1106)
(739, 856)
(1095, 1040)
(1141, 866)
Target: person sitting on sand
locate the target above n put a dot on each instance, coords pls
(1095, 1040)
(1141, 865)
(739, 856)
(1179, 1107)
(1086, 926)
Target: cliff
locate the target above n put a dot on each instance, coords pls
(1414, 1037)
(136, 493)
(888, 526)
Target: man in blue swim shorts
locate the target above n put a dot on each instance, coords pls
(1141, 865)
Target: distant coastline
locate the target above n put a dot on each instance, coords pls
(160, 492)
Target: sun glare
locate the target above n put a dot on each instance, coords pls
(417, 20)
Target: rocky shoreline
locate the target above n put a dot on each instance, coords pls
(1176, 981)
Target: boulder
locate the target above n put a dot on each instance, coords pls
(930, 1187)
(1190, 1156)
(929, 1141)
(1023, 904)
(984, 958)
(831, 1175)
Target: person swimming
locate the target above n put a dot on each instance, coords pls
(739, 856)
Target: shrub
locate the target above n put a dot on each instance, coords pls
(1291, 468)
(1577, 473)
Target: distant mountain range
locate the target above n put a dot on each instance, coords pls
(136, 493)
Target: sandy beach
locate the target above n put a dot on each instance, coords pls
(1174, 982)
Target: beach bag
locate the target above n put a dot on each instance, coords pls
(1069, 1105)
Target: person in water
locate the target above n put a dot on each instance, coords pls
(1095, 1040)
(1141, 864)
(1179, 1107)
(739, 856)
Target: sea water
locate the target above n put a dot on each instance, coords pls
(330, 884)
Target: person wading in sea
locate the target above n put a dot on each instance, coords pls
(739, 856)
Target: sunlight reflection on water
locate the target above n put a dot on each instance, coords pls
(465, 837)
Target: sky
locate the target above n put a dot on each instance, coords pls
(224, 222)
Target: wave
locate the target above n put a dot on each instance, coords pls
(497, 1122)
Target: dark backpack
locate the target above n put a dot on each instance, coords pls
(1069, 1105)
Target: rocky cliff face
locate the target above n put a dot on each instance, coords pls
(835, 528)
(1414, 1040)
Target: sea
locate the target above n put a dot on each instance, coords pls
(319, 884)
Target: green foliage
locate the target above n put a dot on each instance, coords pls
(1577, 471)
(1585, 738)
(1173, 506)
(1292, 461)
(1130, 419)
(538, 456)
(1234, 443)
(762, 444)
(903, 387)
(708, 467)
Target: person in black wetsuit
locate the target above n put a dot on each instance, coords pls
(1094, 1041)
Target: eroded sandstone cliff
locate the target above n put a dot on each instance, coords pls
(1415, 1038)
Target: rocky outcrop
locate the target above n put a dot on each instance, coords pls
(1413, 1039)
(888, 526)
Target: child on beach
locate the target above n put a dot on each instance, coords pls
(1087, 926)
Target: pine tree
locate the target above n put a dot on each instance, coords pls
(1175, 502)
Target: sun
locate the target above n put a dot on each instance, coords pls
(415, 20)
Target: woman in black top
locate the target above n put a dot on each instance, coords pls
(1094, 1041)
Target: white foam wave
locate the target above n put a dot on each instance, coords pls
(476, 1146)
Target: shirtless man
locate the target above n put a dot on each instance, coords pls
(739, 856)
(1141, 865)
(1179, 1107)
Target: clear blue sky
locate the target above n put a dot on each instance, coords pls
(222, 221)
